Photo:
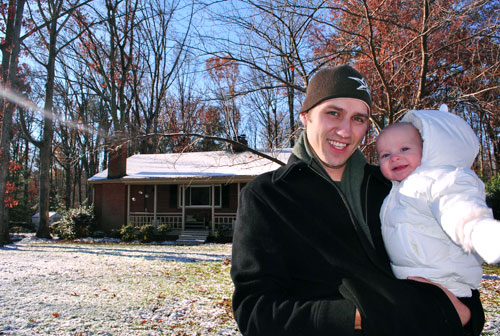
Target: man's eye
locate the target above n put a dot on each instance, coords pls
(333, 113)
(359, 119)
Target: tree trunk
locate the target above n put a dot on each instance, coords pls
(4, 171)
(43, 230)
(291, 115)
(68, 186)
(48, 134)
(10, 52)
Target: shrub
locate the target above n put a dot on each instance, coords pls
(493, 195)
(162, 232)
(147, 233)
(129, 232)
(75, 223)
(21, 213)
(114, 233)
(224, 233)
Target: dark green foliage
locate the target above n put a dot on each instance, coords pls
(20, 216)
(162, 232)
(145, 233)
(493, 195)
(56, 203)
(224, 233)
(129, 232)
(75, 223)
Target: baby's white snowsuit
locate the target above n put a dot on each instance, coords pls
(435, 220)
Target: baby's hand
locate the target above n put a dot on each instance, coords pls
(485, 236)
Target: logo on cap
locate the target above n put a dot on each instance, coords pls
(363, 85)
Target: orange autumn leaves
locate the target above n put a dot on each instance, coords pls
(10, 187)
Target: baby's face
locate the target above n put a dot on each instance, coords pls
(400, 151)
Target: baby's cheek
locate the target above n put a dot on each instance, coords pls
(384, 167)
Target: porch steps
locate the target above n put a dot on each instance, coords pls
(192, 237)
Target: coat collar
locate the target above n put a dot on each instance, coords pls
(293, 164)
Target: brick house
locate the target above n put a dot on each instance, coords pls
(198, 190)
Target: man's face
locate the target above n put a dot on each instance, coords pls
(400, 151)
(335, 128)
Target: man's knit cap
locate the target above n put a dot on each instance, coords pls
(341, 81)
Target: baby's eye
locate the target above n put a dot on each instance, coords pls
(404, 149)
(383, 156)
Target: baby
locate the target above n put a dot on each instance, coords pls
(435, 221)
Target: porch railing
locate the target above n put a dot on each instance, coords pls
(224, 218)
(175, 219)
(142, 218)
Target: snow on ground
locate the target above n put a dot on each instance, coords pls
(54, 288)
(490, 296)
(50, 288)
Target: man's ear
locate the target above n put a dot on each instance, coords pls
(303, 118)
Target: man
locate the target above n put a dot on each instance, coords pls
(308, 257)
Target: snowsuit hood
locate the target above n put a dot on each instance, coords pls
(447, 138)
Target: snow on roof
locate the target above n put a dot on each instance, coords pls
(194, 165)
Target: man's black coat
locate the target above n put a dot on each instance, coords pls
(301, 264)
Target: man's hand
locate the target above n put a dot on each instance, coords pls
(357, 320)
(462, 310)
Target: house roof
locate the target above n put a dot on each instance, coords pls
(190, 166)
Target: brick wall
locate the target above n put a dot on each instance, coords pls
(110, 201)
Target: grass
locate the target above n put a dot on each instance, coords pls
(115, 289)
(490, 297)
(126, 289)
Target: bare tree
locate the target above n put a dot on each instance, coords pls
(108, 48)
(270, 37)
(10, 47)
(272, 120)
(162, 55)
(53, 17)
(224, 75)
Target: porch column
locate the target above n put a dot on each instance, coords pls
(213, 207)
(237, 204)
(183, 206)
(238, 198)
(155, 223)
(128, 204)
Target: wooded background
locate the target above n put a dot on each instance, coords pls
(77, 72)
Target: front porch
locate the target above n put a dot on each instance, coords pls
(184, 207)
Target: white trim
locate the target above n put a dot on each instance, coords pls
(128, 205)
(213, 204)
(183, 207)
(238, 196)
(155, 203)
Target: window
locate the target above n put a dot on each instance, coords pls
(201, 196)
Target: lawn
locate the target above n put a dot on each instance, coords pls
(126, 289)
